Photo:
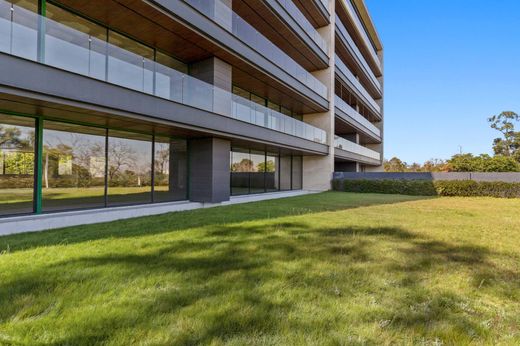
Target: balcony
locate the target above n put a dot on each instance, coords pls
(363, 34)
(303, 22)
(317, 11)
(349, 79)
(351, 116)
(224, 16)
(356, 53)
(30, 36)
(351, 147)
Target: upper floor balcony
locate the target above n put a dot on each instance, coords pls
(303, 22)
(284, 24)
(360, 153)
(356, 120)
(224, 16)
(353, 83)
(317, 11)
(360, 29)
(30, 36)
(357, 56)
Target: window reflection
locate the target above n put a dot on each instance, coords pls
(170, 165)
(257, 173)
(16, 164)
(241, 165)
(129, 168)
(272, 172)
(73, 167)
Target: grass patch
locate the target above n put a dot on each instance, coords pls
(332, 268)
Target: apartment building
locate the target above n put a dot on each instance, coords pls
(117, 103)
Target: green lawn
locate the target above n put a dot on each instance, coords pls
(332, 269)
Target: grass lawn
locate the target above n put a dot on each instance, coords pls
(333, 269)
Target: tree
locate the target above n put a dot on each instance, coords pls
(483, 163)
(435, 165)
(395, 165)
(262, 167)
(509, 143)
(121, 158)
(246, 165)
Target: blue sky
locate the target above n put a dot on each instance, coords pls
(449, 64)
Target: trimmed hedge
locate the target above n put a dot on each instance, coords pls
(465, 188)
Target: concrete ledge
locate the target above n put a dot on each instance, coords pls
(35, 223)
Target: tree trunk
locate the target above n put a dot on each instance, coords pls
(46, 171)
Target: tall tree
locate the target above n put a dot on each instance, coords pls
(509, 143)
(395, 165)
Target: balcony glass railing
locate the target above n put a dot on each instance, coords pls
(348, 41)
(343, 144)
(351, 112)
(326, 4)
(30, 36)
(363, 32)
(216, 11)
(360, 88)
(304, 23)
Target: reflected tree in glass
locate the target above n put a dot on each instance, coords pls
(73, 167)
(17, 138)
(129, 168)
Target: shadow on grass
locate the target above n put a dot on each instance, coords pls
(330, 201)
(253, 283)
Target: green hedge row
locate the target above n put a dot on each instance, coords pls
(465, 188)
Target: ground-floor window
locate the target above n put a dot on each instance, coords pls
(255, 171)
(85, 166)
(17, 159)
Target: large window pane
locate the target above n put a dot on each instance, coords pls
(170, 164)
(73, 167)
(297, 173)
(257, 175)
(16, 164)
(241, 165)
(272, 171)
(129, 168)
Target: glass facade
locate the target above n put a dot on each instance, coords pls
(171, 172)
(265, 102)
(17, 162)
(129, 168)
(259, 171)
(86, 167)
(73, 167)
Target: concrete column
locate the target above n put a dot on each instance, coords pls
(317, 170)
(218, 73)
(209, 174)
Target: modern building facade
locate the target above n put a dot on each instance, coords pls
(122, 102)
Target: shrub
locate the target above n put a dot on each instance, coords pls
(465, 188)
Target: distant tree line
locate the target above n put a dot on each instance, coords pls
(506, 156)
